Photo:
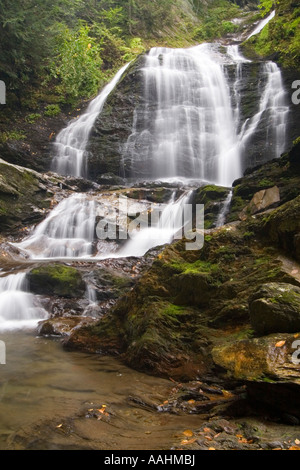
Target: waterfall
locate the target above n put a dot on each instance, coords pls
(186, 127)
(67, 232)
(71, 142)
(262, 24)
(272, 108)
(18, 308)
(166, 225)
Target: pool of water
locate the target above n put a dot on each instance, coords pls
(51, 398)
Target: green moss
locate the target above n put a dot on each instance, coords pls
(56, 279)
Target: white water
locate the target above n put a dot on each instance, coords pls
(71, 142)
(262, 24)
(18, 308)
(169, 222)
(272, 108)
(191, 132)
(67, 232)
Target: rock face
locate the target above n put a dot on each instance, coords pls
(268, 358)
(125, 110)
(23, 196)
(282, 173)
(275, 307)
(114, 125)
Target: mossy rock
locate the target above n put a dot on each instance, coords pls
(275, 307)
(56, 279)
(265, 359)
(23, 196)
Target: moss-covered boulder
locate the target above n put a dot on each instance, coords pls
(56, 279)
(274, 308)
(213, 198)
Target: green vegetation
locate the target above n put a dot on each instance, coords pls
(214, 20)
(68, 49)
(281, 35)
(52, 110)
(11, 135)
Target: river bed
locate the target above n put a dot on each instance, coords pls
(51, 398)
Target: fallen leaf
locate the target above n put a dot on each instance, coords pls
(297, 441)
(191, 402)
(188, 441)
(294, 448)
(207, 430)
(208, 438)
(59, 426)
(211, 448)
(188, 433)
(280, 344)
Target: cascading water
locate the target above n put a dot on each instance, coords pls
(262, 24)
(163, 231)
(272, 108)
(189, 126)
(68, 231)
(186, 126)
(18, 308)
(71, 142)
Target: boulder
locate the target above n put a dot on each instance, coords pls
(24, 196)
(266, 359)
(275, 307)
(56, 279)
(262, 200)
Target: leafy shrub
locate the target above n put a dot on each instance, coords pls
(52, 110)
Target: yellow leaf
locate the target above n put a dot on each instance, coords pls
(279, 344)
(188, 433)
(211, 448)
(297, 441)
(191, 402)
(294, 448)
(207, 430)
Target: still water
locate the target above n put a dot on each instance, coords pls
(54, 399)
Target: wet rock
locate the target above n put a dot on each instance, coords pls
(56, 279)
(268, 358)
(213, 198)
(110, 179)
(275, 307)
(24, 196)
(61, 326)
(261, 200)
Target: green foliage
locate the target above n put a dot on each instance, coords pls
(281, 35)
(77, 64)
(266, 5)
(52, 110)
(11, 135)
(215, 20)
(33, 117)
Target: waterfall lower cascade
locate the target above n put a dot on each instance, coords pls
(18, 308)
(68, 231)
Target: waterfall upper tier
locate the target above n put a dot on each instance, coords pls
(204, 112)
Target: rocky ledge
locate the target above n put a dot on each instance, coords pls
(229, 311)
